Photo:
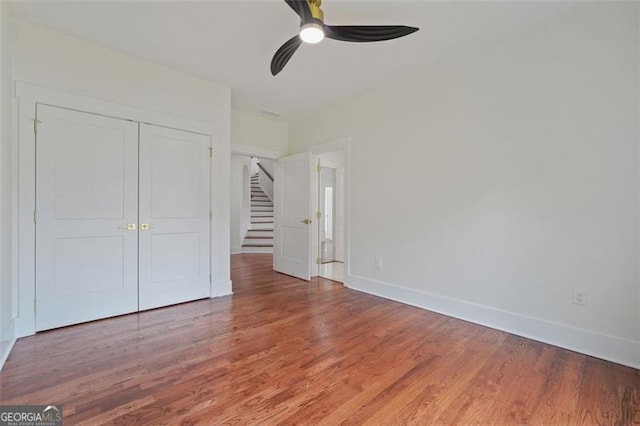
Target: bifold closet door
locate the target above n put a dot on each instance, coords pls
(87, 211)
(174, 216)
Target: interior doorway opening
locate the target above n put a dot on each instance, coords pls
(302, 230)
(330, 215)
(251, 204)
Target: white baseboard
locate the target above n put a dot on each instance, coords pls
(221, 288)
(236, 250)
(610, 348)
(8, 339)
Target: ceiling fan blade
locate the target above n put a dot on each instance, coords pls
(285, 53)
(301, 7)
(367, 33)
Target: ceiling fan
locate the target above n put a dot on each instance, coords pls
(313, 30)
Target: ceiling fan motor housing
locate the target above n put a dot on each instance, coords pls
(316, 13)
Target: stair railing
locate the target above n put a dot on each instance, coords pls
(265, 180)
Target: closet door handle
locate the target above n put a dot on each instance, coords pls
(146, 226)
(128, 227)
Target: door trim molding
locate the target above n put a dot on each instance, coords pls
(7, 340)
(28, 96)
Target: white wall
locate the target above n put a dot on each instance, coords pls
(492, 185)
(240, 200)
(54, 60)
(6, 233)
(268, 165)
(256, 135)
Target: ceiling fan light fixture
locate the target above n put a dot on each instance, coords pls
(312, 33)
(313, 30)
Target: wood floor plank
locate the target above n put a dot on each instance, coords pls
(285, 351)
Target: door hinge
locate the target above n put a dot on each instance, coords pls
(318, 261)
(210, 279)
(35, 216)
(35, 305)
(319, 168)
(210, 215)
(318, 214)
(210, 152)
(36, 122)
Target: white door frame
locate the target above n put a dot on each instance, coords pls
(344, 145)
(28, 96)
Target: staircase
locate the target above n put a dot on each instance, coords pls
(259, 238)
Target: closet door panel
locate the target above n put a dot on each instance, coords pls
(174, 216)
(86, 199)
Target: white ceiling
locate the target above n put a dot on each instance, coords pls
(232, 41)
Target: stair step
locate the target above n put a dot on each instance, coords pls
(261, 209)
(268, 235)
(257, 249)
(257, 226)
(258, 242)
(262, 214)
(260, 233)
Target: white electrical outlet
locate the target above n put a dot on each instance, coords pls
(378, 262)
(580, 296)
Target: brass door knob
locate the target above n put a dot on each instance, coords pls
(306, 221)
(146, 226)
(128, 227)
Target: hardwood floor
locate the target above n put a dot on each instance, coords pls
(285, 351)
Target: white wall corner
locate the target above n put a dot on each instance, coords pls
(236, 249)
(221, 288)
(610, 348)
(6, 344)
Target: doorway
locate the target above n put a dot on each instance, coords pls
(251, 204)
(298, 243)
(330, 214)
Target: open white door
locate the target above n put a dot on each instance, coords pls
(292, 245)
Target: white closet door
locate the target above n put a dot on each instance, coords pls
(86, 195)
(174, 206)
